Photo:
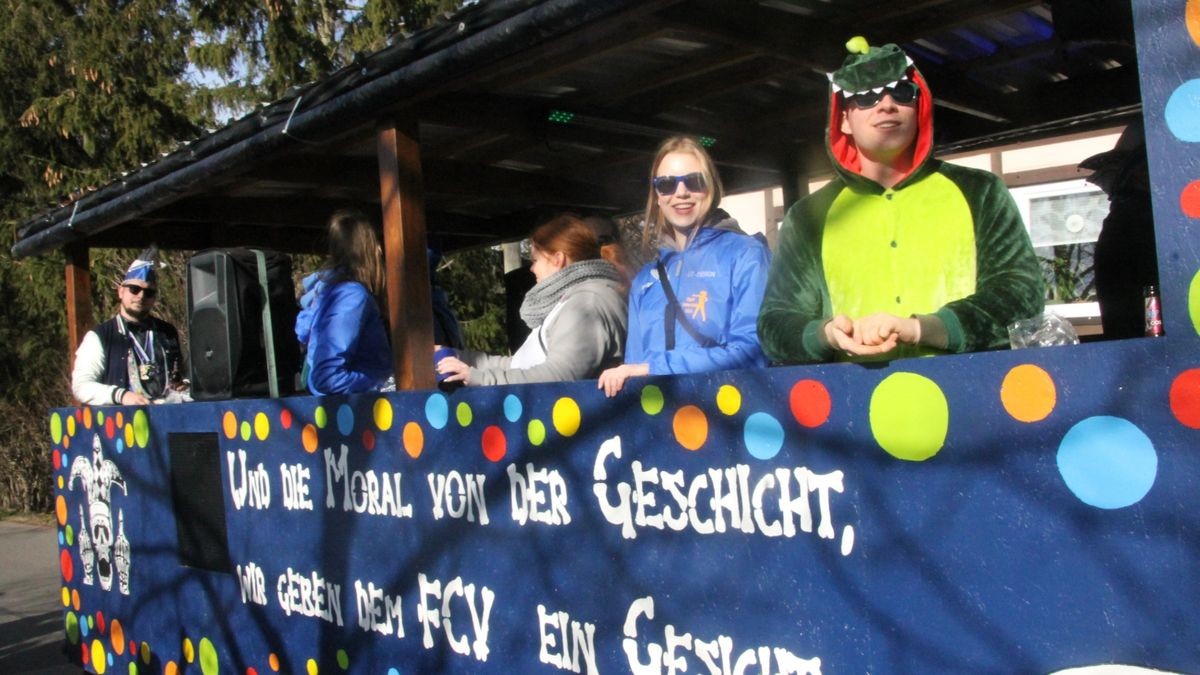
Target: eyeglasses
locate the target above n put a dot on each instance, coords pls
(903, 92)
(138, 290)
(666, 185)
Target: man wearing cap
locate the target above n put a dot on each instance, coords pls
(133, 358)
(900, 254)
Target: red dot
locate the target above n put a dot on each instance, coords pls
(368, 439)
(251, 671)
(133, 647)
(100, 621)
(810, 403)
(1189, 199)
(109, 428)
(85, 650)
(57, 460)
(1185, 398)
(64, 562)
(79, 414)
(285, 419)
(494, 444)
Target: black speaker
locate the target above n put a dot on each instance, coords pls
(241, 318)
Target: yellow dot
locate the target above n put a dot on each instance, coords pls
(70, 426)
(383, 414)
(729, 399)
(99, 658)
(262, 426)
(129, 435)
(189, 652)
(66, 596)
(566, 416)
(312, 667)
(60, 482)
(320, 418)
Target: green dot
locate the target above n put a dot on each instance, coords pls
(70, 536)
(99, 417)
(209, 665)
(56, 428)
(909, 416)
(141, 428)
(463, 413)
(343, 659)
(652, 399)
(320, 418)
(91, 622)
(1194, 302)
(537, 432)
(133, 668)
(73, 628)
(245, 430)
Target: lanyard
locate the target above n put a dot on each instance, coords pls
(143, 353)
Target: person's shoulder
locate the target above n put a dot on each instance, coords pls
(163, 325)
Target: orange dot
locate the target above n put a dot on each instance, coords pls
(1028, 393)
(120, 419)
(414, 439)
(691, 427)
(118, 637)
(309, 438)
(1193, 20)
(60, 510)
(229, 424)
(87, 418)
(1189, 199)
(75, 599)
(171, 669)
(273, 661)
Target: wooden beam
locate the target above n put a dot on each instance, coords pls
(79, 299)
(410, 307)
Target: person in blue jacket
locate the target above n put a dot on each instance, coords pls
(695, 307)
(340, 319)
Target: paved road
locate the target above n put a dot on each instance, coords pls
(32, 637)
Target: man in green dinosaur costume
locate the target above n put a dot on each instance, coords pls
(901, 254)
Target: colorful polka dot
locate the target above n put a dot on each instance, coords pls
(512, 408)
(763, 435)
(537, 432)
(65, 565)
(145, 653)
(382, 411)
(87, 418)
(810, 403)
(1182, 113)
(414, 439)
(273, 661)
(320, 418)
(909, 416)
(345, 420)
(72, 628)
(141, 429)
(62, 483)
(729, 399)
(437, 411)
(171, 668)
(368, 439)
(1028, 393)
(1192, 18)
(566, 416)
(66, 597)
(311, 667)
(70, 426)
(246, 430)
(208, 658)
(494, 443)
(120, 418)
(189, 650)
(100, 621)
(1185, 398)
(99, 658)
(70, 535)
(75, 599)
(652, 399)
(308, 437)
(120, 446)
(343, 659)
(129, 435)
(118, 637)
(1107, 462)
(1194, 302)
(262, 426)
(60, 509)
(285, 418)
(462, 413)
(690, 426)
(56, 428)
(1189, 199)
(56, 457)
(110, 428)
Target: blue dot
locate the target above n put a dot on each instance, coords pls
(120, 445)
(345, 419)
(437, 411)
(512, 408)
(83, 628)
(1183, 112)
(393, 671)
(62, 540)
(1107, 462)
(110, 660)
(764, 435)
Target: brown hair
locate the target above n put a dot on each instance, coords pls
(355, 252)
(568, 235)
(656, 224)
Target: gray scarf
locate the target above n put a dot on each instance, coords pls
(546, 293)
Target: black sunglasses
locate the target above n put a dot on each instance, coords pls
(666, 185)
(903, 92)
(138, 290)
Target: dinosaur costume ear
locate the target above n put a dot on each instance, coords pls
(869, 67)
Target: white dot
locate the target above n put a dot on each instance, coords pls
(847, 540)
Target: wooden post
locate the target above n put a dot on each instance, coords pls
(402, 200)
(795, 178)
(79, 299)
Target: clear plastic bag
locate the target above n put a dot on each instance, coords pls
(1046, 330)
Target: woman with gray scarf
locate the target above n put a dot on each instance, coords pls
(576, 311)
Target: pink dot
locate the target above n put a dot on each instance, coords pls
(494, 443)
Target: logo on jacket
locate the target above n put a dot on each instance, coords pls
(695, 305)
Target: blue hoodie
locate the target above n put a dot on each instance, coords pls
(348, 348)
(719, 279)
